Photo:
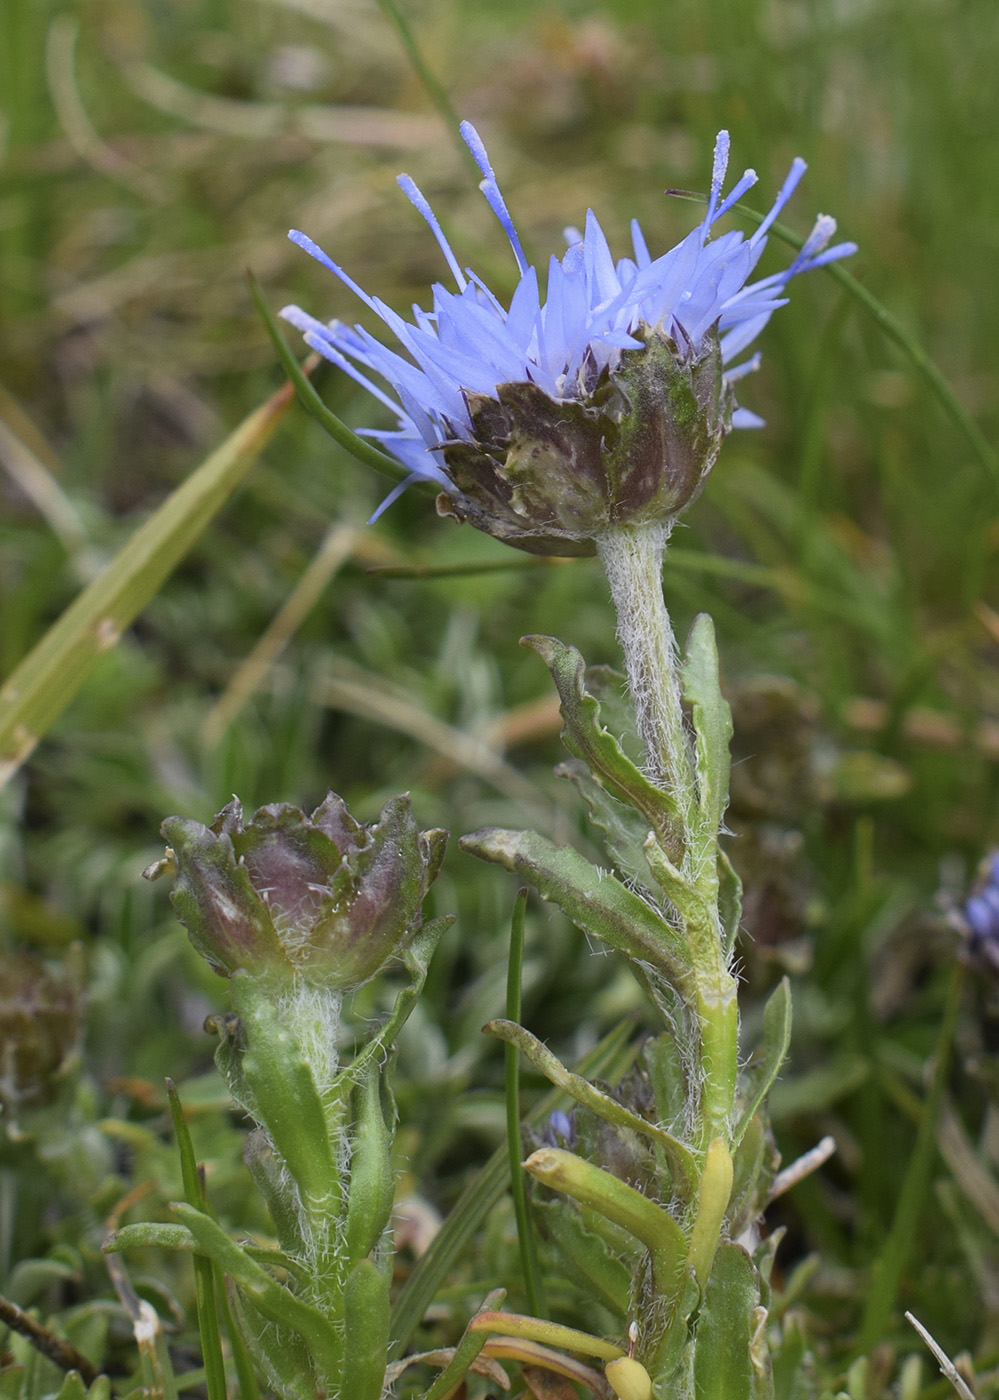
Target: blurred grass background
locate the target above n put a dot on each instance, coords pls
(151, 153)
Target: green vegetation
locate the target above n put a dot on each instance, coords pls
(848, 553)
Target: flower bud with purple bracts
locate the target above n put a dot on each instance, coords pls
(283, 896)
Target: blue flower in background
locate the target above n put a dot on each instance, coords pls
(550, 420)
(981, 915)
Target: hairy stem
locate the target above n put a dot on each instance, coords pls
(633, 558)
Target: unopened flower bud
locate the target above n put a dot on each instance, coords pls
(321, 897)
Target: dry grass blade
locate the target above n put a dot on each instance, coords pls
(367, 695)
(336, 549)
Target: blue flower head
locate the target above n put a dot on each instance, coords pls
(552, 420)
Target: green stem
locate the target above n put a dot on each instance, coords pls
(633, 558)
(633, 562)
(718, 1017)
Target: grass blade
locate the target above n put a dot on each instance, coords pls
(54, 670)
(526, 1238)
(357, 446)
(207, 1276)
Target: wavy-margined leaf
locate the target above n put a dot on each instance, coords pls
(585, 737)
(624, 830)
(712, 720)
(593, 899)
(50, 675)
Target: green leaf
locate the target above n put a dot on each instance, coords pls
(608, 1059)
(204, 1270)
(729, 902)
(586, 738)
(590, 1259)
(754, 1161)
(727, 1361)
(625, 831)
(366, 1329)
(358, 447)
(280, 1353)
(372, 1180)
(464, 1353)
(621, 1203)
(680, 1159)
(712, 720)
(271, 1180)
(776, 1040)
(787, 1362)
(266, 1294)
(58, 665)
(593, 899)
(526, 1238)
(148, 1234)
(416, 960)
(72, 1388)
(666, 1071)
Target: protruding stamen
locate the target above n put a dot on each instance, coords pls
(798, 168)
(313, 249)
(718, 168)
(491, 190)
(420, 203)
(748, 180)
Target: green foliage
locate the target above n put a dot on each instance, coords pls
(150, 154)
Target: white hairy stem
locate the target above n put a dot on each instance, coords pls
(632, 557)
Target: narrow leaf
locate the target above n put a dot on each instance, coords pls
(54, 670)
(723, 1360)
(624, 831)
(585, 737)
(729, 902)
(416, 960)
(358, 447)
(366, 1329)
(464, 1354)
(148, 1234)
(527, 1243)
(679, 1157)
(712, 726)
(776, 1040)
(204, 1269)
(266, 1294)
(593, 899)
(608, 1059)
(588, 1256)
